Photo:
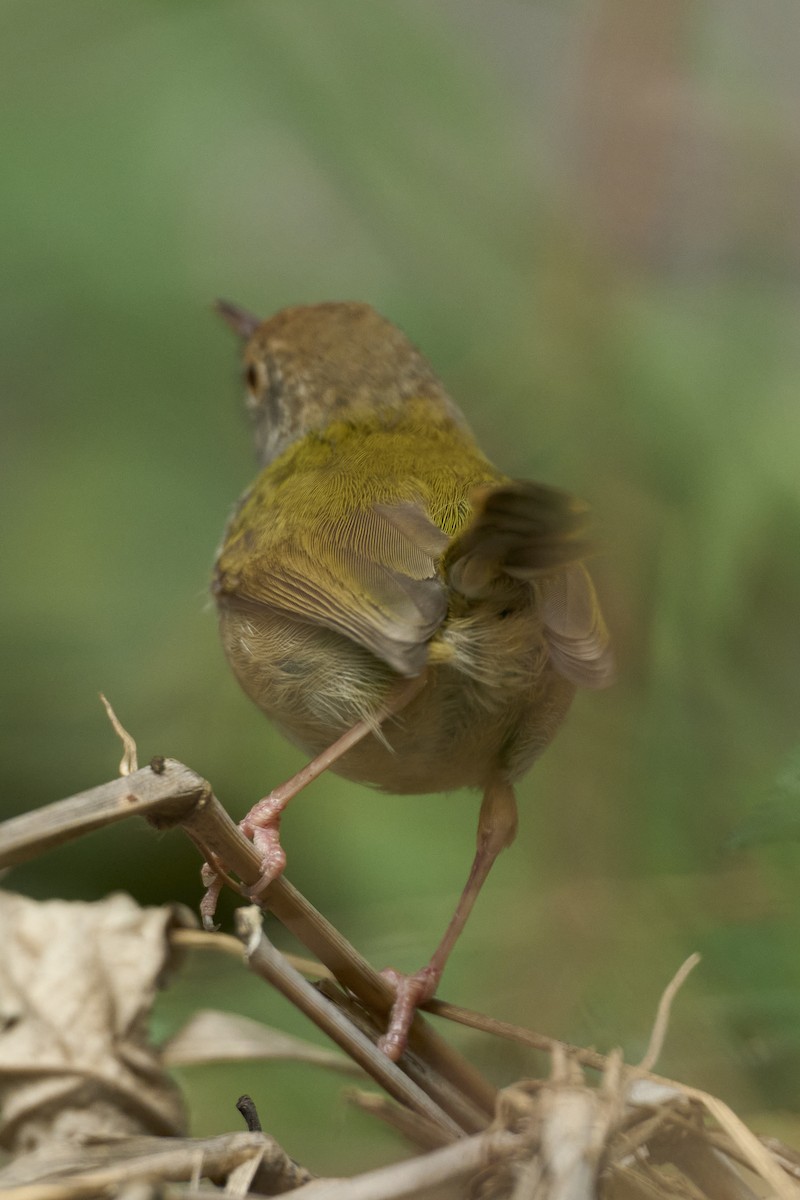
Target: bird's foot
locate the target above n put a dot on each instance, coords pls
(409, 992)
(262, 827)
(212, 874)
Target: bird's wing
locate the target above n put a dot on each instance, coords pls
(575, 630)
(370, 576)
(538, 534)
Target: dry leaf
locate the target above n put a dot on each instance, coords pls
(211, 1036)
(77, 982)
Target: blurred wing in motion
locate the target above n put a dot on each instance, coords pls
(538, 534)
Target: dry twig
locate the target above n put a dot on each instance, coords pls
(267, 961)
(661, 1022)
(555, 1137)
(170, 794)
(130, 760)
(113, 1164)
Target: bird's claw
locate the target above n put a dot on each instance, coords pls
(212, 876)
(262, 827)
(264, 832)
(409, 992)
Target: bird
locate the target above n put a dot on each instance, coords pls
(400, 609)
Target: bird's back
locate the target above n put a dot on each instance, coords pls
(335, 578)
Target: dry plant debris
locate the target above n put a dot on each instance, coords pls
(78, 981)
(211, 1036)
(86, 1096)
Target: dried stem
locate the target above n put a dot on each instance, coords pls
(661, 1022)
(441, 1091)
(164, 791)
(268, 962)
(168, 794)
(413, 1128)
(164, 1159)
(130, 758)
(432, 1081)
(514, 1033)
(406, 1179)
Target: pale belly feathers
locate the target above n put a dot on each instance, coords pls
(491, 705)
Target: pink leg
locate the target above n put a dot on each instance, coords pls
(262, 823)
(497, 826)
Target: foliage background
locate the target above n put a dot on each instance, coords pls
(586, 215)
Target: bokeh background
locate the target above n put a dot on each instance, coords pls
(586, 214)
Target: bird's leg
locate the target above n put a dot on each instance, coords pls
(262, 823)
(497, 827)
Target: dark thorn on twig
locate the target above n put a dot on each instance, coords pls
(247, 1108)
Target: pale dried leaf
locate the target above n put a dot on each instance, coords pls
(77, 982)
(211, 1036)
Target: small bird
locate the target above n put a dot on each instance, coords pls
(396, 606)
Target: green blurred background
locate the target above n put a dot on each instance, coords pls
(586, 214)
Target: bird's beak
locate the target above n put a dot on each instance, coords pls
(239, 319)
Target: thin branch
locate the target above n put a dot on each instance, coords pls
(514, 1033)
(213, 831)
(165, 1159)
(410, 1125)
(226, 943)
(222, 943)
(440, 1090)
(268, 962)
(165, 787)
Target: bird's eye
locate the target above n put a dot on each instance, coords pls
(252, 377)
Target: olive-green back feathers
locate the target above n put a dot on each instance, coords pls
(370, 531)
